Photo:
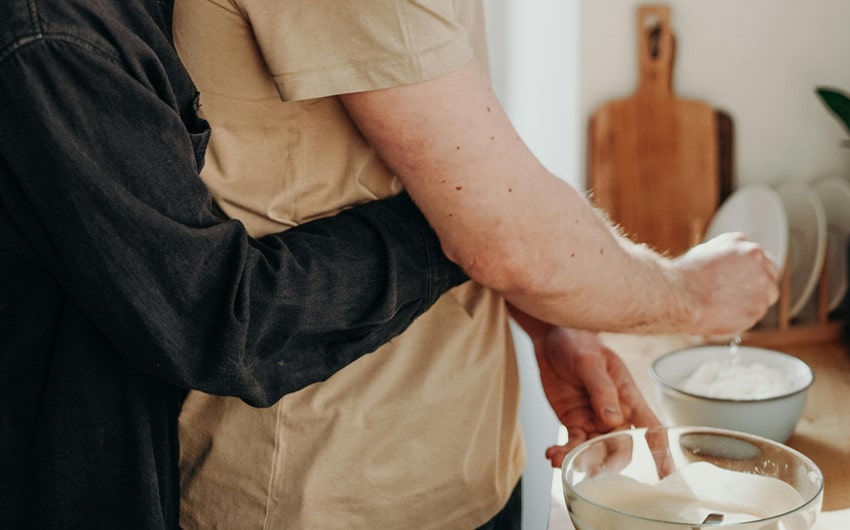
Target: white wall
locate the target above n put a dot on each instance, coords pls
(760, 60)
(534, 48)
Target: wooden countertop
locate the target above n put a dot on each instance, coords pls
(823, 433)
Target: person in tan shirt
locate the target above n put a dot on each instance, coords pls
(345, 102)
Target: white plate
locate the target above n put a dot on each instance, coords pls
(806, 241)
(757, 211)
(834, 193)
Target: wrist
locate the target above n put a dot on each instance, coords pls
(685, 308)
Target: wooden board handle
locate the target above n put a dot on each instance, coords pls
(656, 48)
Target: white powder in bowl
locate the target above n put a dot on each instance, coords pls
(687, 496)
(733, 380)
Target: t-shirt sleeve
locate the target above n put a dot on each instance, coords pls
(318, 48)
(99, 188)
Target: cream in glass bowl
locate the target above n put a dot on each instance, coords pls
(689, 477)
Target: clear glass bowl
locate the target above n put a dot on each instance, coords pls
(676, 477)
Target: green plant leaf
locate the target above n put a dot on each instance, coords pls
(838, 103)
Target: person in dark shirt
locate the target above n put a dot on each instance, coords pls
(122, 285)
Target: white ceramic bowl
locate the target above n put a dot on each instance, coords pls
(772, 414)
(673, 478)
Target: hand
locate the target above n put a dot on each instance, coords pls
(732, 283)
(589, 388)
(587, 384)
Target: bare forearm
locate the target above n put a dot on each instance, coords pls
(576, 270)
(510, 223)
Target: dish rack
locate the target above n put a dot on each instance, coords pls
(787, 331)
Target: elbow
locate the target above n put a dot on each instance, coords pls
(505, 268)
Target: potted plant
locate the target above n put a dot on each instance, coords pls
(839, 104)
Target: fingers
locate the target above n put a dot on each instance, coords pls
(772, 265)
(660, 448)
(607, 456)
(604, 397)
(556, 453)
(637, 411)
(774, 272)
(595, 372)
(763, 283)
(596, 395)
(769, 265)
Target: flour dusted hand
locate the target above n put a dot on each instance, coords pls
(731, 282)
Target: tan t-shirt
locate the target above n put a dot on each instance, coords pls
(422, 433)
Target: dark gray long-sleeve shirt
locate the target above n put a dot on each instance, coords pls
(121, 286)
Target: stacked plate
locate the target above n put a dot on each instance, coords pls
(801, 225)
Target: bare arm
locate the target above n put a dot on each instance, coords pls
(518, 229)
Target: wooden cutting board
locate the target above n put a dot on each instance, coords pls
(654, 157)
